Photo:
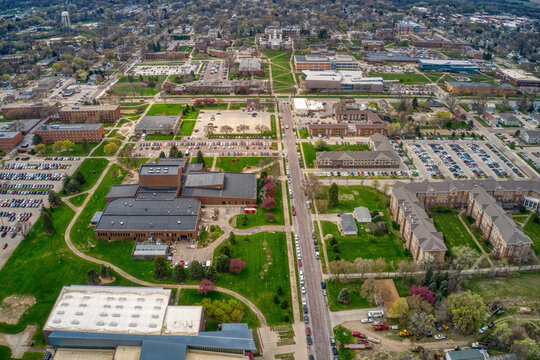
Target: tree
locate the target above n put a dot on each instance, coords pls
(363, 266)
(276, 299)
(54, 199)
(226, 129)
(160, 268)
(110, 149)
(242, 128)
(92, 277)
(179, 274)
(39, 148)
(196, 270)
(512, 145)
(452, 102)
(421, 323)
(423, 292)
(48, 225)
(333, 195)
(236, 266)
(340, 268)
(479, 103)
(211, 274)
(85, 145)
(440, 118)
(467, 310)
(320, 145)
(399, 308)
(200, 157)
(379, 265)
(173, 153)
(67, 145)
(269, 203)
(262, 129)
(222, 263)
(344, 296)
(37, 139)
(280, 290)
(415, 102)
(463, 257)
(225, 250)
(284, 304)
(57, 147)
(526, 349)
(393, 129)
(206, 286)
(501, 337)
(369, 292)
(232, 238)
(79, 177)
(313, 186)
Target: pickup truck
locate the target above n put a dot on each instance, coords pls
(439, 336)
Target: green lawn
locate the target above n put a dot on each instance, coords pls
(191, 297)
(78, 200)
(353, 196)
(412, 78)
(282, 78)
(99, 150)
(365, 245)
(310, 153)
(91, 169)
(226, 164)
(116, 252)
(519, 288)
(453, 231)
(76, 151)
(533, 230)
(205, 236)
(208, 160)
(344, 336)
(265, 255)
(154, 137)
(333, 287)
(304, 133)
(186, 127)
(165, 109)
(259, 218)
(5, 353)
(134, 164)
(40, 266)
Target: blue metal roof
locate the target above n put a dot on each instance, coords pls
(156, 347)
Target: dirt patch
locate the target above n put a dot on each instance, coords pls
(14, 306)
(106, 280)
(388, 292)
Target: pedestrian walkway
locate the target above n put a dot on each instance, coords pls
(20, 343)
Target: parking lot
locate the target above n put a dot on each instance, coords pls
(174, 69)
(24, 187)
(461, 159)
(213, 70)
(75, 93)
(232, 118)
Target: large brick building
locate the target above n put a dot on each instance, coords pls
(9, 139)
(519, 77)
(72, 132)
(90, 114)
(351, 122)
(323, 62)
(465, 87)
(166, 204)
(29, 110)
(484, 200)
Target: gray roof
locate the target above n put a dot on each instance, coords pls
(508, 117)
(59, 127)
(156, 193)
(9, 134)
(380, 56)
(157, 122)
(123, 190)
(233, 337)
(203, 179)
(381, 143)
(362, 212)
(348, 225)
(470, 354)
(235, 185)
(250, 64)
(173, 161)
(158, 169)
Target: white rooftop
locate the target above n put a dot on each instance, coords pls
(183, 320)
(303, 104)
(135, 310)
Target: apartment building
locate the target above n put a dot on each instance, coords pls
(35, 110)
(356, 115)
(324, 62)
(508, 119)
(89, 114)
(372, 45)
(223, 87)
(72, 132)
(359, 129)
(9, 139)
(473, 53)
(465, 87)
(484, 200)
(530, 136)
(407, 27)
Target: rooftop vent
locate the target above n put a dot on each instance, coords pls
(132, 324)
(86, 297)
(110, 298)
(107, 306)
(135, 316)
(115, 315)
(75, 322)
(57, 321)
(100, 323)
(157, 307)
(152, 325)
(155, 316)
(140, 299)
(79, 313)
(69, 296)
(119, 306)
(64, 304)
(113, 323)
(60, 312)
(103, 314)
(121, 223)
(138, 307)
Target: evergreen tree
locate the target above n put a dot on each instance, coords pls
(103, 271)
(196, 270)
(222, 263)
(415, 102)
(54, 199)
(211, 274)
(200, 157)
(232, 238)
(179, 274)
(162, 155)
(173, 153)
(80, 178)
(429, 276)
(48, 226)
(344, 296)
(333, 195)
(160, 268)
(92, 277)
(85, 145)
(36, 139)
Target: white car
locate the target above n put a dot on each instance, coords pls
(303, 289)
(483, 329)
(366, 320)
(304, 301)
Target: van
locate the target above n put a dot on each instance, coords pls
(375, 313)
(208, 263)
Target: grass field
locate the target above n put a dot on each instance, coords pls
(226, 164)
(135, 165)
(76, 151)
(333, 287)
(40, 266)
(78, 200)
(365, 245)
(304, 133)
(265, 255)
(453, 231)
(99, 151)
(259, 218)
(520, 288)
(533, 230)
(282, 78)
(91, 169)
(191, 297)
(412, 78)
(353, 196)
(344, 336)
(310, 153)
(186, 127)
(165, 109)
(155, 137)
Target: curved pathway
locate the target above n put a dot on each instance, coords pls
(132, 278)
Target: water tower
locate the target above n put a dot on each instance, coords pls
(65, 20)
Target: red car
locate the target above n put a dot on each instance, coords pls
(358, 335)
(294, 213)
(308, 331)
(299, 263)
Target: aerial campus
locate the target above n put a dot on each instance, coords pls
(269, 180)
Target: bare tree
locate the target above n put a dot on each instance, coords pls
(226, 129)
(209, 129)
(242, 128)
(363, 266)
(452, 102)
(479, 103)
(229, 59)
(24, 228)
(262, 128)
(313, 186)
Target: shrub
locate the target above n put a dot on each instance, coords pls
(270, 217)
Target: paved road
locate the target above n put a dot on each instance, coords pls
(303, 225)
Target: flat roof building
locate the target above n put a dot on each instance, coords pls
(456, 66)
(89, 114)
(9, 139)
(519, 77)
(304, 106)
(324, 62)
(161, 125)
(386, 56)
(466, 87)
(35, 110)
(250, 66)
(72, 132)
(137, 323)
(341, 81)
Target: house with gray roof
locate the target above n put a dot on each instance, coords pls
(531, 137)
(508, 119)
(348, 225)
(161, 125)
(361, 214)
